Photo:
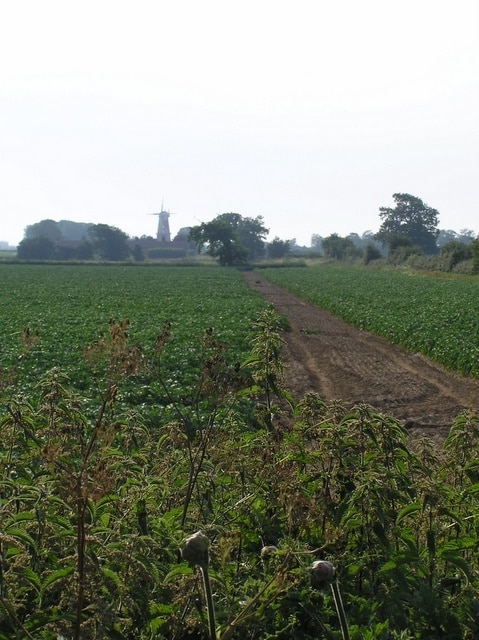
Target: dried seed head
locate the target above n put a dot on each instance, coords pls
(322, 575)
(195, 550)
(268, 550)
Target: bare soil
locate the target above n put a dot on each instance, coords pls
(324, 354)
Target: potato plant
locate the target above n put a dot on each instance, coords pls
(65, 308)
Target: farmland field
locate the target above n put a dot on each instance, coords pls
(437, 316)
(70, 306)
(105, 475)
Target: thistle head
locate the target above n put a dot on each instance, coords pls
(322, 574)
(194, 550)
(268, 550)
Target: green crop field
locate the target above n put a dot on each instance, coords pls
(434, 315)
(71, 306)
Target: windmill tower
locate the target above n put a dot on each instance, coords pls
(163, 233)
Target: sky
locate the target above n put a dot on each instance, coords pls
(311, 113)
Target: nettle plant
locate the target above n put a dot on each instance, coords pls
(308, 519)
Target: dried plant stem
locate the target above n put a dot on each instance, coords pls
(209, 601)
(338, 601)
(247, 612)
(11, 612)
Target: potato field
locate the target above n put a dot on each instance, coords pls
(434, 315)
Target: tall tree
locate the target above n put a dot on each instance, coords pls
(278, 248)
(411, 218)
(334, 246)
(231, 238)
(445, 236)
(36, 248)
(110, 243)
(44, 229)
(316, 242)
(251, 235)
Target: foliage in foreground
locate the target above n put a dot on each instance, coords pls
(93, 511)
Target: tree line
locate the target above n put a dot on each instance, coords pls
(45, 241)
(409, 229)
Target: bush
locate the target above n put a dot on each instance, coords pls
(371, 252)
(160, 253)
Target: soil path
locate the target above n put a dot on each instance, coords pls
(326, 355)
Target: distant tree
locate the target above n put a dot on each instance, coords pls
(251, 235)
(110, 243)
(230, 238)
(316, 242)
(364, 240)
(401, 248)
(453, 253)
(65, 252)
(278, 248)
(475, 255)
(74, 250)
(44, 229)
(356, 240)
(74, 231)
(84, 250)
(137, 253)
(338, 248)
(368, 236)
(36, 248)
(445, 236)
(371, 252)
(182, 235)
(466, 236)
(412, 219)
(221, 241)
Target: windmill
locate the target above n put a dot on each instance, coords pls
(163, 232)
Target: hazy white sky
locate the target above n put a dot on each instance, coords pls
(310, 113)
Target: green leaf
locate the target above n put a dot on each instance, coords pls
(457, 560)
(112, 575)
(180, 570)
(55, 576)
(31, 577)
(388, 566)
(22, 516)
(407, 511)
(353, 569)
(472, 471)
(21, 536)
(473, 489)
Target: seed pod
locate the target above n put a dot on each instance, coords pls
(268, 550)
(195, 550)
(322, 574)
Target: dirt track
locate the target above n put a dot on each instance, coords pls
(326, 355)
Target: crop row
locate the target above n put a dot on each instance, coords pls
(436, 316)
